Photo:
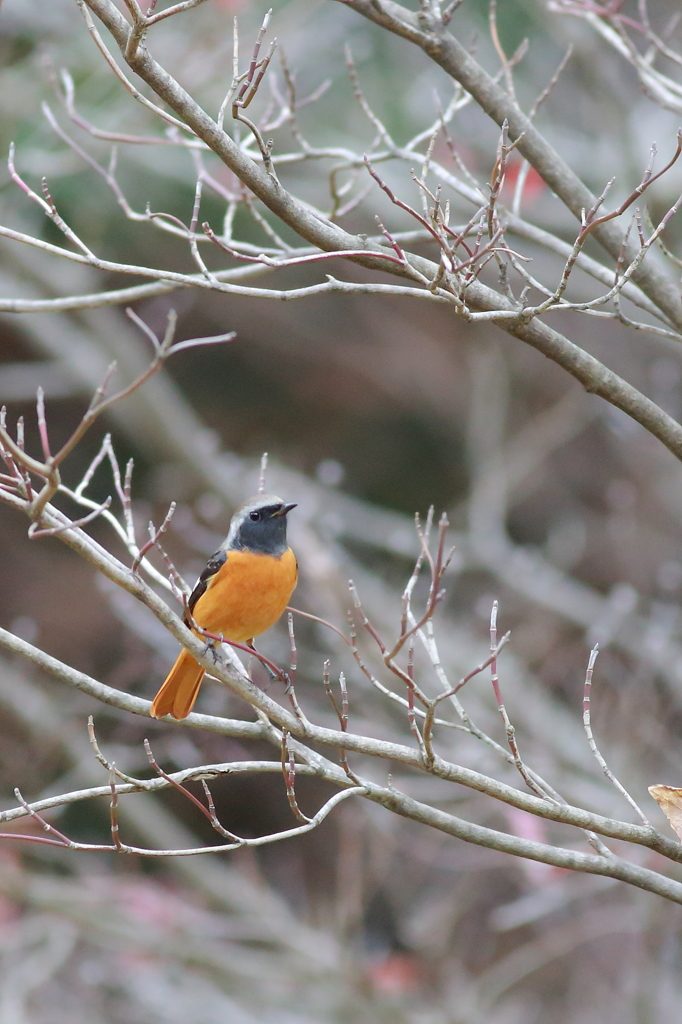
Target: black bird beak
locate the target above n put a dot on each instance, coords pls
(284, 509)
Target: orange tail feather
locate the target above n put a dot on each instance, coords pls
(179, 692)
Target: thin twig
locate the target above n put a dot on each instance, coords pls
(289, 774)
(587, 722)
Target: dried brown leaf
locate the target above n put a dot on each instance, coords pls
(669, 799)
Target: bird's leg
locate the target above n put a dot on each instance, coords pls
(212, 646)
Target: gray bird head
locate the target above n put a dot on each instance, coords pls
(260, 525)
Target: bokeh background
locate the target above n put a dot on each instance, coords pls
(371, 408)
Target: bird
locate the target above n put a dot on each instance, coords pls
(243, 590)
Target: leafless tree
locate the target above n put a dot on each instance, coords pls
(447, 237)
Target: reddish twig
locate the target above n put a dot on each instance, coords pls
(61, 839)
(648, 179)
(509, 728)
(431, 710)
(154, 536)
(289, 773)
(323, 622)
(411, 717)
(113, 809)
(208, 812)
(42, 425)
(213, 818)
(328, 690)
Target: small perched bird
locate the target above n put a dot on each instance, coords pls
(243, 590)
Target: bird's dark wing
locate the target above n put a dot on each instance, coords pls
(215, 562)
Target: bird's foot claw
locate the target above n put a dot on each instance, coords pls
(212, 646)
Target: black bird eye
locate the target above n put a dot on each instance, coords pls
(255, 516)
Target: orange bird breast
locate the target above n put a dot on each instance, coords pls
(247, 595)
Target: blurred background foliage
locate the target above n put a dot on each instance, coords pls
(562, 508)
